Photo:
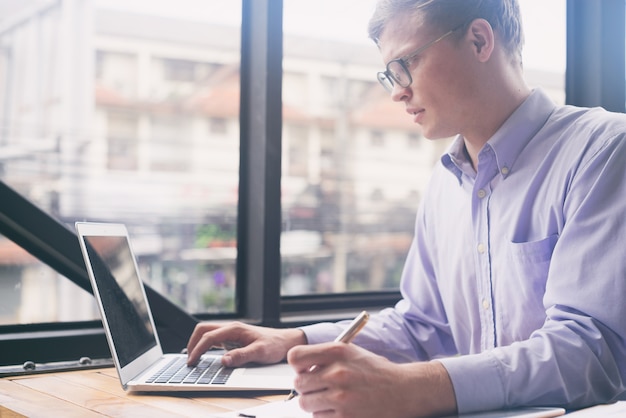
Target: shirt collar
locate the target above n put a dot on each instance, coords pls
(508, 141)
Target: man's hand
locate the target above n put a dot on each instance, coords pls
(252, 344)
(348, 381)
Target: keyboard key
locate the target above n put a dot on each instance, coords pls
(177, 371)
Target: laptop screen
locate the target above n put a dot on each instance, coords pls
(121, 295)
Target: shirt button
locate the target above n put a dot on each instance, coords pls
(485, 304)
(505, 170)
(482, 193)
(481, 248)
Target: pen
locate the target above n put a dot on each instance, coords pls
(346, 336)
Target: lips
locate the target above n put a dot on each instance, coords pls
(416, 113)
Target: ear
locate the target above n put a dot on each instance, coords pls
(482, 38)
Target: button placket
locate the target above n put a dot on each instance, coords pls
(487, 170)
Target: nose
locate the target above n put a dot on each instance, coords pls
(400, 94)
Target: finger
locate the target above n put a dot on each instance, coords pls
(241, 356)
(316, 403)
(303, 358)
(310, 382)
(213, 336)
(199, 330)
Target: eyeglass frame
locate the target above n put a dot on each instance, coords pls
(404, 63)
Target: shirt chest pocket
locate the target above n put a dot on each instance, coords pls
(530, 261)
(520, 286)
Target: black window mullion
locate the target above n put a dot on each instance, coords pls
(259, 222)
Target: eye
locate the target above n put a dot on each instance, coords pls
(398, 71)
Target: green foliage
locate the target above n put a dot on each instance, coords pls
(206, 234)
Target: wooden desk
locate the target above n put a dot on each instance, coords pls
(97, 393)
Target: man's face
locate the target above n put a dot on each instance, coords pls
(441, 89)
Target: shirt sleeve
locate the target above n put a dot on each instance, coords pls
(416, 329)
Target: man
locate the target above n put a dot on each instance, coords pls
(513, 287)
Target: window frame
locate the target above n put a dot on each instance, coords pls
(259, 208)
(595, 74)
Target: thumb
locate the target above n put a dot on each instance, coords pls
(238, 357)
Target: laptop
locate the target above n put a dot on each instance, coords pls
(132, 336)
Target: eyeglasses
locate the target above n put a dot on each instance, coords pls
(397, 71)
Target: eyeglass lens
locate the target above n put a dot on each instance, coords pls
(398, 73)
(386, 82)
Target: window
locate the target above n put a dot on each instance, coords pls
(116, 75)
(32, 292)
(123, 141)
(170, 146)
(296, 91)
(218, 126)
(544, 48)
(377, 195)
(114, 129)
(179, 70)
(358, 176)
(297, 161)
(377, 139)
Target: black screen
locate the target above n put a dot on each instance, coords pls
(122, 296)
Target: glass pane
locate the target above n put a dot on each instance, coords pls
(545, 48)
(31, 292)
(347, 154)
(354, 166)
(128, 112)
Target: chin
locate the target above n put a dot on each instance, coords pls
(434, 133)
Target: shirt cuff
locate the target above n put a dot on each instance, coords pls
(477, 382)
(321, 332)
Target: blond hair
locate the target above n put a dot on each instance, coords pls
(503, 16)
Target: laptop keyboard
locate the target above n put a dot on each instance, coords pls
(208, 370)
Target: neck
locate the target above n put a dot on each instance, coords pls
(500, 99)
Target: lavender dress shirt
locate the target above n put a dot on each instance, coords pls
(516, 277)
